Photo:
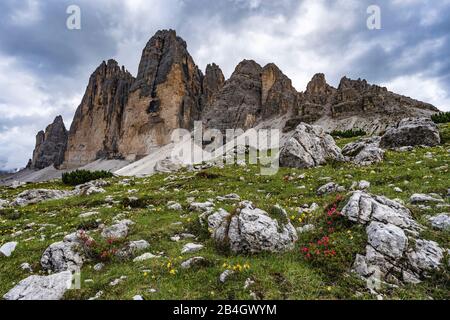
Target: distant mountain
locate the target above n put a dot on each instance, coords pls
(123, 117)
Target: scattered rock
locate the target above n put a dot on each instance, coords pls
(138, 298)
(3, 204)
(132, 248)
(193, 262)
(88, 215)
(229, 197)
(425, 198)
(175, 206)
(362, 185)
(441, 222)
(411, 132)
(309, 146)
(99, 267)
(64, 255)
(39, 195)
(117, 231)
(252, 230)
(201, 207)
(26, 267)
(305, 229)
(117, 281)
(90, 188)
(7, 249)
(51, 287)
(225, 275)
(330, 188)
(145, 257)
(97, 296)
(398, 190)
(248, 283)
(191, 248)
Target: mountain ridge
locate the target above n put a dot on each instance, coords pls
(127, 117)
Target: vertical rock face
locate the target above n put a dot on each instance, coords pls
(239, 102)
(278, 94)
(50, 146)
(212, 83)
(251, 94)
(165, 96)
(96, 128)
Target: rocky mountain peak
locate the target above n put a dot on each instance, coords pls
(318, 85)
(50, 145)
(278, 94)
(213, 81)
(96, 127)
(166, 95)
(247, 67)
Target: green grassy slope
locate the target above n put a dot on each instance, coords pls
(276, 276)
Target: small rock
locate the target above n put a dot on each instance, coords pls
(424, 198)
(201, 207)
(117, 231)
(132, 248)
(8, 248)
(196, 261)
(304, 229)
(229, 197)
(99, 267)
(248, 283)
(145, 257)
(97, 296)
(191, 248)
(88, 215)
(225, 275)
(138, 298)
(175, 206)
(330, 187)
(117, 281)
(26, 267)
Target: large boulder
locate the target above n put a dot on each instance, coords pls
(309, 146)
(365, 151)
(395, 253)
(64, 255)
(411, 132)
(252, 230)
(364, 208)
(51, 287)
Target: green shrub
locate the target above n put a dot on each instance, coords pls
(443, 117)
(83, 176)
(348, 133)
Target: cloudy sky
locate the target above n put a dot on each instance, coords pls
(44, 67)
